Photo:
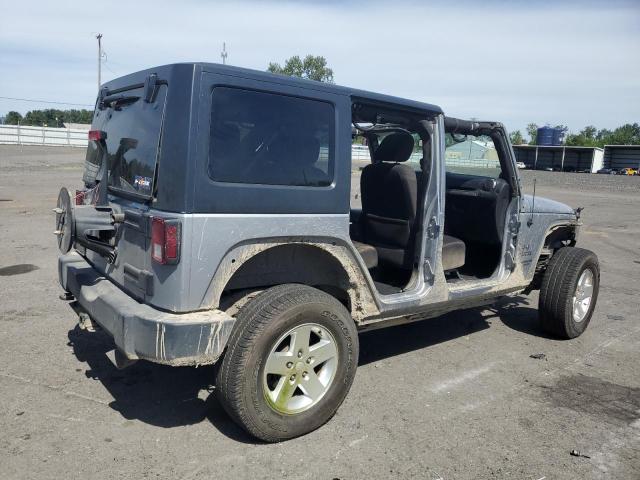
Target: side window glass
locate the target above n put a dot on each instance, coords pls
(471, 155)
(270, 139)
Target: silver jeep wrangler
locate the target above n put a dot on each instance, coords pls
(220, 223)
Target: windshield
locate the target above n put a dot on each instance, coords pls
(471, 155)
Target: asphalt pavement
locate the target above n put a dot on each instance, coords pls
(457, 397)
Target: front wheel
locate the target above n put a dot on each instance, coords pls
(290, 362)
(569, 292)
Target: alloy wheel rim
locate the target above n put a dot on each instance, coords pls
(583, 295)
(300, 368)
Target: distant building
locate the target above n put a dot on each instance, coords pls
(472, 153)
(559, 158)
(622, 156)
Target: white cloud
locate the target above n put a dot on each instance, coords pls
(575, 64)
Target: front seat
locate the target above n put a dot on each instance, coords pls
(454, 253)
(389, 202)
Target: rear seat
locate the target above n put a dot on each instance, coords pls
(368, 253)
(453, 249)
(453, 253)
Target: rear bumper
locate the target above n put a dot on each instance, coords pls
(139, 330)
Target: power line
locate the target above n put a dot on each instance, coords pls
(105, 63)
(46, 101)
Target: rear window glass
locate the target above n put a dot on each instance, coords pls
(133, 135)
(265, 138)
(92, 163)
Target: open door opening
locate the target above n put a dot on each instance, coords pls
(479, 191)
(390, 176)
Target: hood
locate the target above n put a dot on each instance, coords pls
(546, 205)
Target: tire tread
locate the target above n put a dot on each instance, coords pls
(556, 291)
(250, 322)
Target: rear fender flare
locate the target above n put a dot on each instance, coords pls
(359, 287)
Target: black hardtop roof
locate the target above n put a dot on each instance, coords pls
(138, 77)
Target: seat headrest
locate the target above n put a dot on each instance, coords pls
(296, 150)
(396, 147)
(309, 148)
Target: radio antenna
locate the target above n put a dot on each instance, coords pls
(533, 203)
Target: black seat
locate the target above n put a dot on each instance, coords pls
(368, 253)
(389, 202)
(476, 208)
(453, 253)
(294, 157)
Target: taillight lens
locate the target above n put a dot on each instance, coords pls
(97, 135)
(171, 241)
(165, 240)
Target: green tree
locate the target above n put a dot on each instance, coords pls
(580, 140)
(586, 137)
(532, 131)
(516, 138)
(13, 118)
(312, 68)
(628, 134)
(589, 131)
(589, 136)
(56, 118)
(603, 133)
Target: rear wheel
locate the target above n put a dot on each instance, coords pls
(569, 292)
(290, 362)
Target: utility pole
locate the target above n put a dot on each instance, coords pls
(224, 53)
(99, 37)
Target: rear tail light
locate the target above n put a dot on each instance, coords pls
(165, 240)
(80, 195)
(97, 135)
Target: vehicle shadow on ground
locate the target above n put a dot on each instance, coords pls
(377, 345)
(170, 397)
(158, 395)
(519, 313)
(514, 312)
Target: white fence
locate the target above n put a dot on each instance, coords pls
(23, 135)
(360, 152)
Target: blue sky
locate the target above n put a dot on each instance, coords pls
(574, 63)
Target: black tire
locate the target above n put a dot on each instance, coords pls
(259, 325)
(559, 285)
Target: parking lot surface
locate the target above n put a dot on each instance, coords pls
(457, 397)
